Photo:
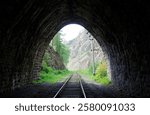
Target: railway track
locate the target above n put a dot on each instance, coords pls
(71, 88)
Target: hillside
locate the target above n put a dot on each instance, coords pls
(80, 52)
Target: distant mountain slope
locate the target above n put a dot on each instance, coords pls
(80, 52)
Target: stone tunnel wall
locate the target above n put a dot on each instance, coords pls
(121, 28)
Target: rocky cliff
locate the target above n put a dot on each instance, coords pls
(81, 51)
(54, 60)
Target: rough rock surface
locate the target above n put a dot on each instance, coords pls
(81, 52)
(55, 61)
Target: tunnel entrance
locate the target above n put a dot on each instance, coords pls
(73, 48)
(74, 52)
(121, 29)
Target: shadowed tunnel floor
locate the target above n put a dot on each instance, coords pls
(120, 27)
(46, 90)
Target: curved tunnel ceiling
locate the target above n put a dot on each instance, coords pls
(121, 28)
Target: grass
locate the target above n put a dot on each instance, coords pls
(86, 73)
(49, 75)
(101, 75)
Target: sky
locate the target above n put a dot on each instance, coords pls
(71, 31)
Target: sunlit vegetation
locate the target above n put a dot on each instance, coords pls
(49, 74)
(60, 48)
(52, 75)
(100, 76)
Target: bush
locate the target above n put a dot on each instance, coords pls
(50, 75)
(101, 74)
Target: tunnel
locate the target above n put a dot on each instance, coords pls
(120, 27)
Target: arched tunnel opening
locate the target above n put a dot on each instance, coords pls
(121, 29)
(72, 52)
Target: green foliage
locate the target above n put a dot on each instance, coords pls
(49, 75)
(56, 42)
(64, 53)
(101, 73)
(60, 48)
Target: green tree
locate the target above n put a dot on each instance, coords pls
(60, 48)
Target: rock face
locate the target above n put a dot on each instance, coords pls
(81, 55)
(55, 61)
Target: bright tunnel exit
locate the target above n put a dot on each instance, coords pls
(74, 65)
(74, 49)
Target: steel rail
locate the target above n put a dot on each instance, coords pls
(82, 88)
(62, 87)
